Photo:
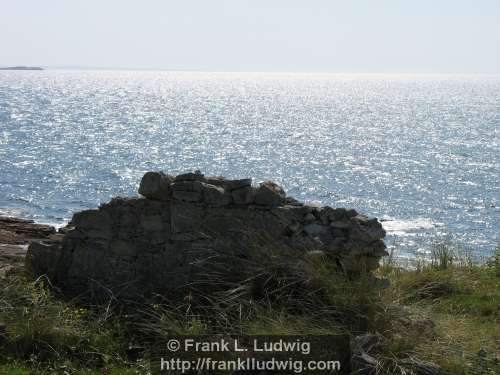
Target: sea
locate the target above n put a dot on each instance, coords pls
(420, 152)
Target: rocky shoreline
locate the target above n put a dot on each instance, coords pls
(15, 236)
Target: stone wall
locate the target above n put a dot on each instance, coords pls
(137, 246)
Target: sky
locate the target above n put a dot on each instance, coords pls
(369, 36)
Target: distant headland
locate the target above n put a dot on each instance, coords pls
(21, 68)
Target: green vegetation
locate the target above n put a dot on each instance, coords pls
(460, 301)
(446, 311)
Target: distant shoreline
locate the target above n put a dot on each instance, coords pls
(22, 68)
(278, 72)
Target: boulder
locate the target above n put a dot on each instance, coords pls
(269, 194)
(156, 185)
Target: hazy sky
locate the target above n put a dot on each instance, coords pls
(447, 36)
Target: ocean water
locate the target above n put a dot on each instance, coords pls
(420, 152)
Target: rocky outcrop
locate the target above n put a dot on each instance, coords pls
(137, 246)
(19, 231)
(15, 235)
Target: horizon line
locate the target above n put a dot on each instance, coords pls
(117, 68)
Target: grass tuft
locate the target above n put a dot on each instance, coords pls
(445, 311)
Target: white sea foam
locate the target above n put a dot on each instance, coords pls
(407, 227)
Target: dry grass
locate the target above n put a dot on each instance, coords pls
(463, 301)
(445, 311)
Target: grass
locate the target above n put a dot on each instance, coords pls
(463, 301)
(445, 311)
(49, 335)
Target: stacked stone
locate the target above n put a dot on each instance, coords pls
(213, 191)
(135, 246)
(354, 239)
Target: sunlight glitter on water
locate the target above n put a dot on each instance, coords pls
(423, 151)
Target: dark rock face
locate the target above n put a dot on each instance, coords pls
(137, 246)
